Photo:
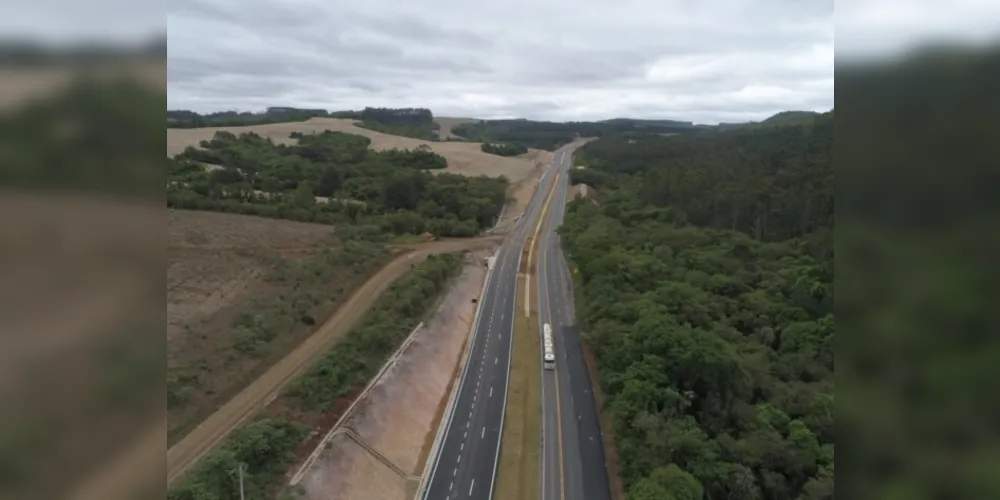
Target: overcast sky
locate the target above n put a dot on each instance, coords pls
(700, 60)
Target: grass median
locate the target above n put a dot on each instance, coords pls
(519, 474)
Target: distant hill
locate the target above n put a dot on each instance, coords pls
(638, 123)
(791, 117)
(551, 135)
(778, 119)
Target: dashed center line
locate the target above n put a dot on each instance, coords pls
(482, 434)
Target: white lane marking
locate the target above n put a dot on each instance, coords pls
(454, 472)
(495, 360)
(458, 460)
(472, 486)
(467, 422)
(483, 434)
(470, 414)
(465, 434)
(460, 448)
(491, 392)
(451, 485)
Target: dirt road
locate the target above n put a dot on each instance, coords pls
(255, 396)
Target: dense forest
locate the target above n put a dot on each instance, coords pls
(190, 119)
(407, 122)
(706, 285)
(504, 149)
(551, 135)
(391, 189)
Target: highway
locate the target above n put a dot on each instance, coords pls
(573, 465)
(465, 465)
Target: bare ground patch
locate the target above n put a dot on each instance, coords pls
(400, 414)
(223, 267)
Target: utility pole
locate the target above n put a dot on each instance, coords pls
(239, 470)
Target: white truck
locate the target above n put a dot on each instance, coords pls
(548, 348)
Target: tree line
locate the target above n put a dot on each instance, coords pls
(393, 189)
(504, 149)
(189, 119)
(551, 135)
(706, 285)
(772, 182)
(417, 123)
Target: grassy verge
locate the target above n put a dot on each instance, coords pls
(267, 446)
(356, 358)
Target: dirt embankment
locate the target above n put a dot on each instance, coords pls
(399, 415)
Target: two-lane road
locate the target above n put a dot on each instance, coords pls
(465, 465)
(573, 465)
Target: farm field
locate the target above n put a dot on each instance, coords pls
(242, 292)
(464, 158)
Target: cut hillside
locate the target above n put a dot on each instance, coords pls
(464, 158)
(242, 291)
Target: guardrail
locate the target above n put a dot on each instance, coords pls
(350, 410)
(430, 466)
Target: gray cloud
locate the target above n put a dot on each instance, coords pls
(703, 61)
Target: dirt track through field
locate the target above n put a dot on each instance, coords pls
(256, 395)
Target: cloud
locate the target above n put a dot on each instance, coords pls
(721, 60)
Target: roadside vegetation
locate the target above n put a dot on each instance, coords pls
(268, 445)
(334, 178)
(417, 123)
(503, 149)
(707, 290)
(360, 354)
(264, 448)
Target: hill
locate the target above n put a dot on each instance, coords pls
(791, 118)
(463, 158)
(705, 281)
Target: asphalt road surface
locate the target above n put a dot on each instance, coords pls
(573, 465)
(467, 459)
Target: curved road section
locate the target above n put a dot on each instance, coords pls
(573, 464)
(465, 465)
